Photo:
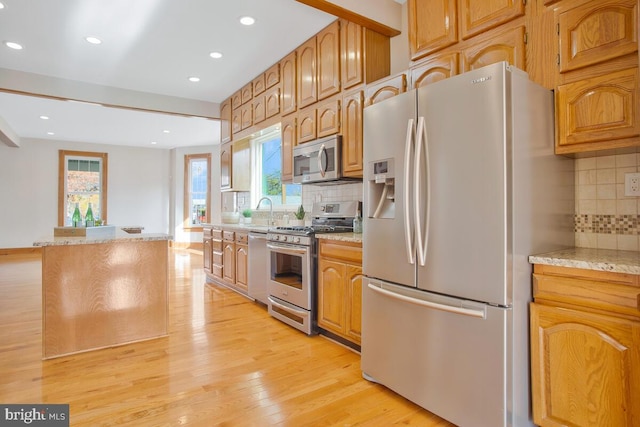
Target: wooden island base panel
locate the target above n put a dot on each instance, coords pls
(98, 294)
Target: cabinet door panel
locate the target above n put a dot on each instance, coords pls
(385, 88)
(603, 109)
(236, 120)
(481, 15)
(225, 120)
(331, 295)
(288, 129)
(272, 102)
(225, 166)
(438, 68)
(352, 105)
(246, 116)
(585, 368)
(328, 45)
(306, 125)
(590, 34)
(351, 53)
(502, 46)
(432, 26)
(259, 109)
(288, 69)
(247, 93)
(307, 80)
(259, 85)
(272, 76)
(229, 262)
(353, 326)
(236, 99)
(242, 268)
(328, 118)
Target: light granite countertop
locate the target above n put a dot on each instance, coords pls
(120, 236)
(260, 228)
(342, 237)
(592, 259)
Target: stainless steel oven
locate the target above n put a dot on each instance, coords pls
(292, 263)
(291, 283)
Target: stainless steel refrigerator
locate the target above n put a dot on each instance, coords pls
(461, 186)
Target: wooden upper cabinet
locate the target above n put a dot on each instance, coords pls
(478, 16)
(307, 83)
(328, 117)
(288, 95)
(351, 128)
(259, 85)
(225, 120)
(236, 99)
(272, 101)
(328, 60)
(246, 116)
(598, 113)
(225, 166)
(432, 26)
(351, 46)
(272, 76)
(593, 32)
(385, 88)
(259, 109)
(436, 68)
(288, 133)
(306, 125)
(236, 120)
(495, 46)
(246, 93)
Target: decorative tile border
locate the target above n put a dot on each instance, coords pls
(607, 224)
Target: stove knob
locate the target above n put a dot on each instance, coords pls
(276, 237)
(297, 240)
(284, 238)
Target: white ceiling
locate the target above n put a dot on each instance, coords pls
(149, 46)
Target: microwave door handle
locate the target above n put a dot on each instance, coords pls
(321, 153)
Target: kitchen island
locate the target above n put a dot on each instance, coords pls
(103, 291)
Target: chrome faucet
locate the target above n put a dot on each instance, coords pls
(270, 209)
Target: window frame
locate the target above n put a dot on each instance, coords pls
(256, 167)
(63, 156)
(186, 208)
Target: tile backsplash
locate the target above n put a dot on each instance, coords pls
(604, 217)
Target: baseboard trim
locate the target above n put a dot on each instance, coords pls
(36, 250)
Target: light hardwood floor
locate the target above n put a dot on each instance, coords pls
(225, 363)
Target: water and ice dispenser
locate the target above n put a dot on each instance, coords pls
(381, 189)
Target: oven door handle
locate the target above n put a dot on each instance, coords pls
(300, 313)
(286, 249)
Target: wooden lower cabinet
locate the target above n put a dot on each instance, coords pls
(340, 289)
(585, 348)
(226, 257)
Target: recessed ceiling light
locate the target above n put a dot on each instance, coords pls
(44, 117)
(215, 55)
(194, 79)
(1, 6)
(247, 20)
(166, 131)
(153, 142)
(50, 133)
(93, 40)
(13, 45)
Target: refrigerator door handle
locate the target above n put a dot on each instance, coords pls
(480, 314)
(408, 229)
(422, 235)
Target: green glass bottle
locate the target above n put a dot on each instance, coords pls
(76, 219)
(88, 219)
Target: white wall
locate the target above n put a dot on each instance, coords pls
(400, 45)
(138, 188)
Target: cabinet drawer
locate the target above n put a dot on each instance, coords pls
(601, 291)
(346, 251)
(216, 233)
(242, 238)
(228, 235)
(206, 232)
(216, 245)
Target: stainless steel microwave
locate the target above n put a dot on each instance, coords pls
(319, 161)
